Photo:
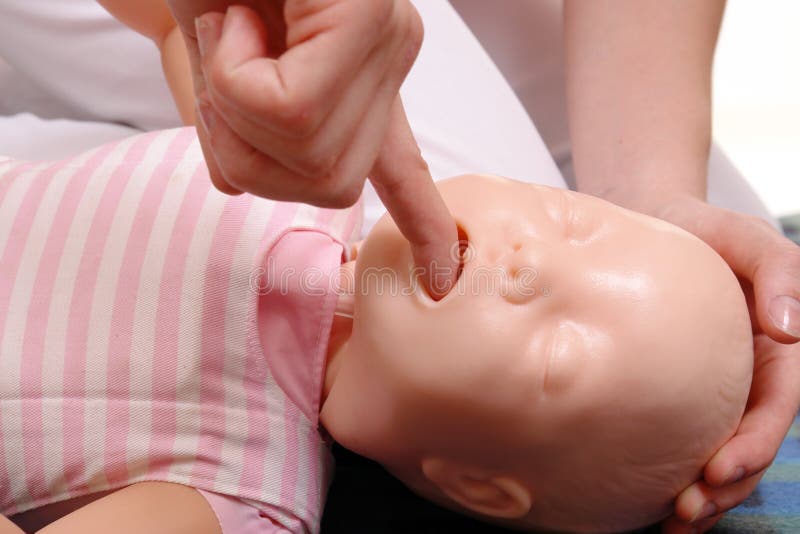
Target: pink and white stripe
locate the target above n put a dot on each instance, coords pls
(129, 345)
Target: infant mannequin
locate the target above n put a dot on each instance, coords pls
(582, 373)
(581, 392)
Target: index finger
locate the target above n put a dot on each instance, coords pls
(404, 184)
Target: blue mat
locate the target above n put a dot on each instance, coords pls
(774, 507)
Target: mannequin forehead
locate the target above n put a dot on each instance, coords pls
(510, 208)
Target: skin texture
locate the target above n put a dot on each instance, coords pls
(588, 364)
(638, 76)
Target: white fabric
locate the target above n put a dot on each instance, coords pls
(70, 59)
(27, 136)
(525, 40)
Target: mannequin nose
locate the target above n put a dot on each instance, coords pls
(522, 267)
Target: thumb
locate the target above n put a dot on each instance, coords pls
(777, 291)
(757, 251)
(404, 184)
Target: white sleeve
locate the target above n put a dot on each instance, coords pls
(26, 136)
(71, 59)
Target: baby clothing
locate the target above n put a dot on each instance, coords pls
(152, 328)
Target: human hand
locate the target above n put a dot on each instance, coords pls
(298, 101)
(736, 469)
(768, 266)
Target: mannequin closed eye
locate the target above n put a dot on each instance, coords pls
(566, 351)
(574, 220)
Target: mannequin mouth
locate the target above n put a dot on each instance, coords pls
(463, 251)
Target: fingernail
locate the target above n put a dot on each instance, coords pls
(206, 114)
(785, 314)
(201, 28)
(735, 475)
(707, 510)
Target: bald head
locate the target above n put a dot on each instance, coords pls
(588, 364)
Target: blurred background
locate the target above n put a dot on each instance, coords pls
(757, 97)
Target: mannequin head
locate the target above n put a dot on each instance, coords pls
(587, 365)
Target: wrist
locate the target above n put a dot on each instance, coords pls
(178, 73)
(641, 172)
(650, 201)
(646, 195)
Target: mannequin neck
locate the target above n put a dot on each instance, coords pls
(341, 328)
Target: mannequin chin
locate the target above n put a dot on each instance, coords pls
(586, 367)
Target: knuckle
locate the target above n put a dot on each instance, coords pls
(314, 164)
(297, 117)
(240, 175)
(408, 35)
(237, 178)
(416, 30)
(375, 18)
(341, 194)
(221, 184)
(379, 12)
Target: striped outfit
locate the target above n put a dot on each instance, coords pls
(138, 340)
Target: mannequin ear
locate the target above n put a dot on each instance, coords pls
(479, 490)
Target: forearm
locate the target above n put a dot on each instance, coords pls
(152, 18)
(175, 62)
(639, 96)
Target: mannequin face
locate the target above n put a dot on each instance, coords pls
(569, 312)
